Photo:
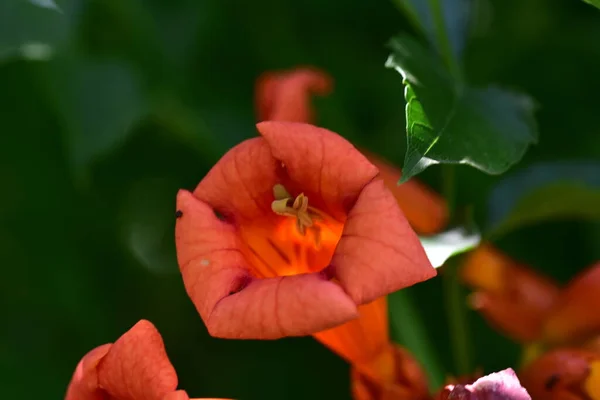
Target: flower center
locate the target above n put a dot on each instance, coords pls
(295, 239)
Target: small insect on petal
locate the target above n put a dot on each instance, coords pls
(178, 214)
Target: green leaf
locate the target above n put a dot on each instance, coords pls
(446, 122)
(544, 192)
(442, 246)
(99, 103)
(595, 3)
(443, 22)
(147, 224)
(33, 29)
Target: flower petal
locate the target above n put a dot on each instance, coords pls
(273, 308)
(177, 395)
(240, 184)
(137, 366)
(235, 305)
(513, 297)
(503, 385)
(320, 163)
(575, 315)
(361, 339)
(286, 96)
(208, 253)
(558, 374)
(84, 384)
(378, 252)
(516, 321)
(424, 209)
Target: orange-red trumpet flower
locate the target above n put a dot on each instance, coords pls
(512, 297)
(135, 367)
(289, 232)
(529, 307)
(563, 374)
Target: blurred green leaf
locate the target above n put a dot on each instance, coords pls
(50, 4)
(99, 102)
(148, 223)
(32, 29)
(487, 128)
(444, 22)
(442, 246)
(595, 3)
(408, 330)
(557, 191)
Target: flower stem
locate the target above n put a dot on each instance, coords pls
(457, 318)
(454, 295)
(443, 39)
(408, 329)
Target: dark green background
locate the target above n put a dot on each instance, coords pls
(142, 97)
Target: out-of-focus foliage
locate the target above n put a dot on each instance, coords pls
(593, 2)
(107, 107)
(545, 192)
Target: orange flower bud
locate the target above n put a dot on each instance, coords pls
(513, 298)
(135, 367)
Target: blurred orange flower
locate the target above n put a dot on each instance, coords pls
(296, 207)
(575, 317)
(135, 367)
(563, 374)
(285, 96)
(513, 298)
(529, 307)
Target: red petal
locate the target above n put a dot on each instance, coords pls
(208, 253)
(286, 96)
(214, 269)
(84, 384)
(575, 315)
(379, 252)
(284, 306)
(241, 182)
(137, 366)
(320, 163)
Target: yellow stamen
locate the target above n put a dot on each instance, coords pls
(592, 382)
(297, 208)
